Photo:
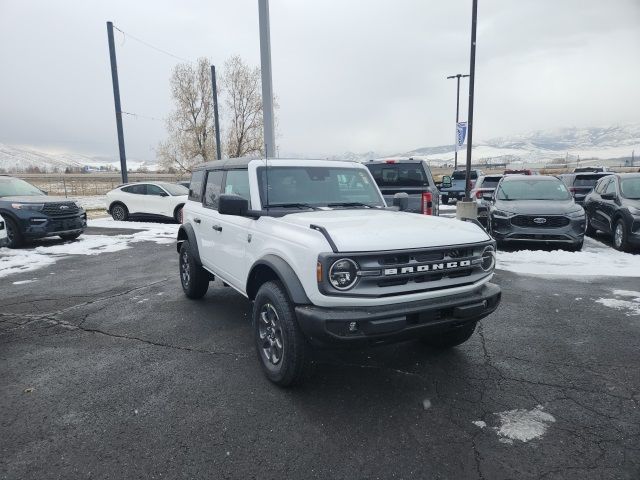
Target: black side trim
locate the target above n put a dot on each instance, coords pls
(186, 230)
(286, 275)
(324, 232)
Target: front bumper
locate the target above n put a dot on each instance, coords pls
(504, 231)
(325, 326)
(40, 226)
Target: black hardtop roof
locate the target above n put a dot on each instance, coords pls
(243, 162)
(395, 160)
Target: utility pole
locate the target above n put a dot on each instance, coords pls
(267, 86)
(214, 87)
(457, 76)
(116, 100)
(472, 78)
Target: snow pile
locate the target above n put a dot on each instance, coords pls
(50, 251)
(595, 259)
(520, 424)
(631, 306)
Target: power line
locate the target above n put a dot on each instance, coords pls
(158, 49)
(137, 115)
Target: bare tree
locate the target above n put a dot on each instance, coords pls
(190, 127)
(243, 101)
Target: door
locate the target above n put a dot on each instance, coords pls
(208, 224)
(609, 204)
(234, 233)
(193, 212)
(134, 196)
(157, 201)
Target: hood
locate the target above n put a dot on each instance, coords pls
(366, 230)
(537, 207)
(35, 199)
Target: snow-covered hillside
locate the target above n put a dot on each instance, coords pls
(15, 158)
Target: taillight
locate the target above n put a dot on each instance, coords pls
(427, 203)
(479, 194)
(573, 190)
(389, 161)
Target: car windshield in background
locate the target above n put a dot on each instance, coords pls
(175, 189)
(462, 174)
(533, 190)
(14, 187)
(398, 174)
(490, 182)
(630, 188)
(587, 180)
(297, 187)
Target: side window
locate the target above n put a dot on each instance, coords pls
(195, 187)
(155, 190)
(601, 185)
(611, 188)
(137, 189)
(213, 188)
(237, 183)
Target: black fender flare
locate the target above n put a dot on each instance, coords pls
(285, 274)
(185, 232)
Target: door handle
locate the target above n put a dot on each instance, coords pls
(217, 228)
(197, 220)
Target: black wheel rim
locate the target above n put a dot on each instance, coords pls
(185, 269)
(270, 335)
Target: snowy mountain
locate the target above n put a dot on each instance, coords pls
(14, 158)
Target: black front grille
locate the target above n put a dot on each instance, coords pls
(60, 209)
(540, 221)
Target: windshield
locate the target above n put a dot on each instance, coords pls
(296, 187)
(462, 174)
(587, 180)
(14, 187)
(398, 174)
(175, 189)
(630, 188)
(533, 190)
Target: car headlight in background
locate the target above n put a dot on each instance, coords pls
(488, 259)
(343, 274)
(28, 206)
(576, 213)
(502, 213)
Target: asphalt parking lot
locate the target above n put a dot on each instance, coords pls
(108, 371)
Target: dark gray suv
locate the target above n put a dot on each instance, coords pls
(536, 209)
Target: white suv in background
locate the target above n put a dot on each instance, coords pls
(325, 262)
(148, 199)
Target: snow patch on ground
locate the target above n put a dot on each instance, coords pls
(22, 282)
(520, 424)
(47, 252)
(632, 307)
(595, 259)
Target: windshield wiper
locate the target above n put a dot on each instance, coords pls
(349, 204)
(291, 205)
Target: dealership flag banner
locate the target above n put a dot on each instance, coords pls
(461, 134)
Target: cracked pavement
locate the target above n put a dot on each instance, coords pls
(108, 371)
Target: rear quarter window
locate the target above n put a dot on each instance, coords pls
(195, 186)
(398, 174)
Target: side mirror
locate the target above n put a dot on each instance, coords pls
(446, 181)
(608, 196)
(488, 196)
(401, 200)
(233, 205)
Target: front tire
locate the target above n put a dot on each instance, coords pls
(620, 236)
(119, 212)
(451, 338)
(282, 349)
(15, 238)
(194, 278)
(445, 199)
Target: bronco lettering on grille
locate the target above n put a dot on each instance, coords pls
(427, 267)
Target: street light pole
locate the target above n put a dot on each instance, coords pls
(267, 86)
(457, 76)
(472, 78)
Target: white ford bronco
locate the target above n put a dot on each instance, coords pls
(326, 262)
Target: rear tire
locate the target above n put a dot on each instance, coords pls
(282, 350)
(445, 199)
(451, 338)
(14, 236)
(194, 278)
(119, 212)
(70, 236)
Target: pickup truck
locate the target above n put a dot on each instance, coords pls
(409, 176)
(325, 262)
(456, 189)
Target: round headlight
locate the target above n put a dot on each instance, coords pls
(343, 274)
(488, 259)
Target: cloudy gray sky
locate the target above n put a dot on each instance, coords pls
(350, 75)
